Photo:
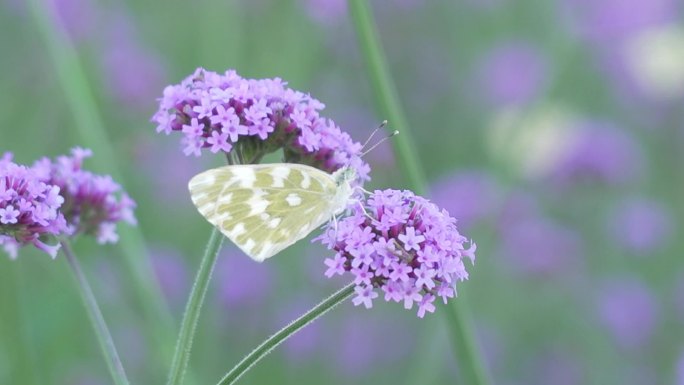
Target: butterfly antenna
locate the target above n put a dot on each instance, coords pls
(380, 127)
(379, 142)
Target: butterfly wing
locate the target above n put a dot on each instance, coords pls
(264, 208)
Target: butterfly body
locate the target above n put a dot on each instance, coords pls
(265, 208)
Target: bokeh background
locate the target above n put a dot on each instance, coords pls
(553, 130)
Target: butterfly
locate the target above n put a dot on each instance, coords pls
(264, 208)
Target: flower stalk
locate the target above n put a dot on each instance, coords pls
(104, 337)
(388, 102)
(186, 335)
(272, 342)
(91, 130)
(386, 95)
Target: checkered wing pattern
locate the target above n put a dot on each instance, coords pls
(267, 207)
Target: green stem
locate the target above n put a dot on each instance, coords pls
(91, 130)
(96, 318)
(386, 95)
(463, 338)
(272, 342)
(192, 309)
(186, 335)
(464, 341)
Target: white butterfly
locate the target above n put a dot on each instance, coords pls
(265, 208)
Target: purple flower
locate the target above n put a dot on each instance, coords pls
(326, 12)
(361, 340)
(364, 294)
(242, 283)
(164, 181)
(29, 208)
(79, 17)
(601, 152)
(608, 22)
(556, 366)
(93, 204)
(471, 196)
(410, 260)
(132, 71)
(538, 246)
(513, 73)
(172, 273)
(258, 116)
(640, 226)
(8, 215)
(628, 309)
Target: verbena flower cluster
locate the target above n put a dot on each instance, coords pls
(29, 209)
(218, 113)
(93, 204)
(402, 244)
(58, 199)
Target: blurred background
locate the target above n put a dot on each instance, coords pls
(553, 131)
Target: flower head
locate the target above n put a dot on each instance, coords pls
(218, 113)
(93, 204)
(29, 208)
(402, 244)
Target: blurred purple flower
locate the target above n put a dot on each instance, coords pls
(93, 204)
(537, 246)
(514, 72)
(326, 12)
(172, 273)
(471, 196)
(610, 22)
(241, 282)
(167, 183)
(402, 244)
(555, 366)
(30, 208)
(534, 244)
(132, 72)
(518, 206)
(79, 17)
(612, 26)
(601, 152)
(362, 343)
(640, 225)
(628, 309)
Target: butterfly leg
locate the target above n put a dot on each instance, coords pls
(334, 221)
(363, 190)
(364, 211)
